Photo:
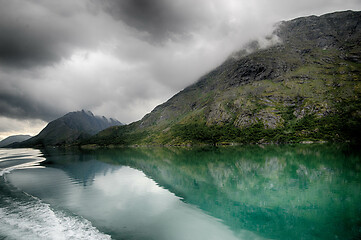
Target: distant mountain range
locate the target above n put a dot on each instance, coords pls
(306, 87)
(13, 139)
(69, 129)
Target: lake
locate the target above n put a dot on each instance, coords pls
(238, 192)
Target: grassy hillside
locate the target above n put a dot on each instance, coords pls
(305, 88)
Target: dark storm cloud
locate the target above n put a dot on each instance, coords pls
(21, 107)
(162, 19)
(36, 33)
(23, 46)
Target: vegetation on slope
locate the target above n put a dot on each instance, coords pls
(305, 88)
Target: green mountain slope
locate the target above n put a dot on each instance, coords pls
(305, 88)
(69, 128)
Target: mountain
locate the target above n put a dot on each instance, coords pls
(69, 128)
(306, 87)
(13, 139)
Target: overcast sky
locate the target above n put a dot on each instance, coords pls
(121, 58)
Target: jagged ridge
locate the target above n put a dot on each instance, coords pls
(73, 126)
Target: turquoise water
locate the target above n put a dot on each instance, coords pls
(244, 192)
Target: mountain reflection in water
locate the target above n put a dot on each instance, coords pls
(276, 192)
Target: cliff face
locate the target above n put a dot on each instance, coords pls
(305, 87)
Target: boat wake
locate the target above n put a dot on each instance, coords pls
(32, 219)
(11, 159)
(23, 216)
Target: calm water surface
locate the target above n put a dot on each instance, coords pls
(253, 192)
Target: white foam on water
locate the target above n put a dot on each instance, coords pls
(9, 153)
(21, 158)
(31, 220)
(24, 217)
(33, 164)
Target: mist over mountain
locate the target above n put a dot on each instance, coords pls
(69, 128)
(305, 87)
